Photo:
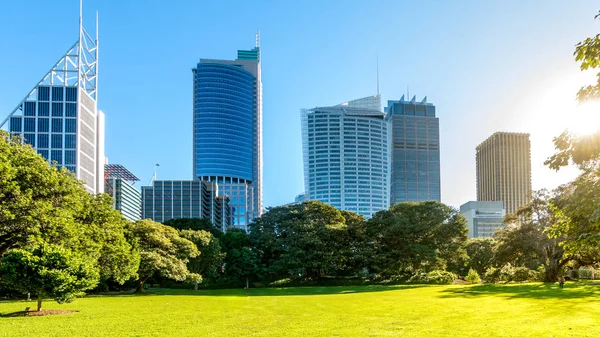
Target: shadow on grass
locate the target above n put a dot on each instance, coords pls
(527, 290)
(291, 291)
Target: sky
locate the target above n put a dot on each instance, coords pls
(488, 66)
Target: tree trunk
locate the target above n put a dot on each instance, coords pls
(196, 286)
(140, 287)
(247, 283)
(39, 304)
(552, 272)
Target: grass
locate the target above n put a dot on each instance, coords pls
(533, 309)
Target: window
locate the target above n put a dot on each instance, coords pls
(70, 142)
(57, 142)
(29, 109)
(57, 156)
(43, 109)
(43, 124)
(57, 109)
(29, 125)
(57, 125)
(43, 141)
(70, 157)
(29, 139)
(43, 153)
(43, 93)
(71, 94)
(71, 109)
(71, 125)
(57, 94)
(16, 124)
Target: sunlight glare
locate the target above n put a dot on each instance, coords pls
(586, 119)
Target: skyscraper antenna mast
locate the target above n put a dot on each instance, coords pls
(377, 74)
(257, 38)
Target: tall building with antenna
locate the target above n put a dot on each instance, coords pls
(59, 116)
(227, 135)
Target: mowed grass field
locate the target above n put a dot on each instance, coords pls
(533, 309)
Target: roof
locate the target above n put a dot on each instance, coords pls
(119, 171)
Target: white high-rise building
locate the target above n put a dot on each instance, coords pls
(346, 159)
(59, 117)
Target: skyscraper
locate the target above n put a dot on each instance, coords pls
(415, 151)
(60, 118)
(504, 170)
(228, 130)
(345, 151)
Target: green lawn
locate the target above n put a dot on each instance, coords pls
(480, 310)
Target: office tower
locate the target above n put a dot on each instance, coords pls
(59, 117)
(415, 151)
(118, 183)
(228, 130)
(175, 199)
(484, 218)
(504, 170)
(345, 151)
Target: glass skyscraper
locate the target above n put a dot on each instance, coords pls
(227, 141)
(415, 151)
(118, 183)
(345, 150)
(59, 117)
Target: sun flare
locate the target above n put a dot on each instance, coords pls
(585, 119)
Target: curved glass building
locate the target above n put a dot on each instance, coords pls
(346, 160)
(223, 121)
(227, 130)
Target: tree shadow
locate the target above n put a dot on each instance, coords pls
(527, 290)
(286, 291)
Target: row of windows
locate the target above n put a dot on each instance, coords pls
(19, 124)
(58, 93)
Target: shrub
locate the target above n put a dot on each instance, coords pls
(493, 275)
(473, 276)
(433, 277)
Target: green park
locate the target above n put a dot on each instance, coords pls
(72, 265)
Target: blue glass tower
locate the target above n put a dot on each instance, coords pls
(228, 130)
(415, 151)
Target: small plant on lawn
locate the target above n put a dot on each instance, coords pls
(473, 276)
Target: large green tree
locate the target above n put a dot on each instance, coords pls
(412, 237)
(42, 206)
(163, 252)
(196, 224)
(301, 240)
(210, 260)
(48, 272)
(481, 252)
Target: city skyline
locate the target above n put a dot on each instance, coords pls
(516, 104)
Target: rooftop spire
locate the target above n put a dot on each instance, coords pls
(258, 39)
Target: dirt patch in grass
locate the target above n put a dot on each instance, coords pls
(38, 313)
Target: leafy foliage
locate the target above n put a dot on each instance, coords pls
(482, 252)
(48, 271)
(163, 252)
(211, 257)
(412, 237)
(473, 276)
(588, 53)
(433, 277)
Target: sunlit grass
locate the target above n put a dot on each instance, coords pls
(508, 310)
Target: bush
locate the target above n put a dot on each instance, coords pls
(493, 275)
(433, 277)
(473, 276)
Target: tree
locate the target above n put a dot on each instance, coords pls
(163, 252)
(581, 149)
(243, 263)
(526, 241)
(41, 206)
(414, 237)
(196, 224)
(299, 241)
(48, 271)
(211, 257)
(481, 252)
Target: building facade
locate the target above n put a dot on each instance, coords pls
(176, 199)
(59, 117)
(415, 151)
(484, 218)
(118, 183)
(345, 149)
(504, 170)
(227, 140)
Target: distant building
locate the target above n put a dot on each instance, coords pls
(504, 170)
(345, 151)
(484, 218)
(227, 136)
(59, 117)
(175, 199)
(118, 183)
(415, 151)
(300, 198)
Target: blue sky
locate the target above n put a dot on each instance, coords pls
(487, 66)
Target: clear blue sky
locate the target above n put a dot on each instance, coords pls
(501, 66)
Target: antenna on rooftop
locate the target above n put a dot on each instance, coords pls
(377, 74)
(257, 38)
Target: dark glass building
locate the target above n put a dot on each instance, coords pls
(415, 151)
(228, 130)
